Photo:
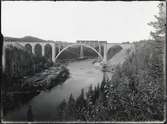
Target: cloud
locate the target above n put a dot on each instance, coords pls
(71, 21)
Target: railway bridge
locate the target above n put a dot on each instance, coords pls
(56, 48)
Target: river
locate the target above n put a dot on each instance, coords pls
(82, 75)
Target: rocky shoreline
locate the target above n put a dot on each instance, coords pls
(33, 85)
(46, 79)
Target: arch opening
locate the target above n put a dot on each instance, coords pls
(112, 51)
(73, 45)
(48, 51)
(38, 50)
(28, 48)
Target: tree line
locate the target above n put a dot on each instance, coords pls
(19, 63)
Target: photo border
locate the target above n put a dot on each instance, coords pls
(120, 122)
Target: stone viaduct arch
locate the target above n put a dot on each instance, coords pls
(48, 51)
(38, 50)
(28, 48)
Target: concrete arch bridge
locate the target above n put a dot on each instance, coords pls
(58, 47)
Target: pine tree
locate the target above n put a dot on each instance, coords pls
(60, 114)
(160, 24)
(70, 109)
(99, 110)
(80, 106)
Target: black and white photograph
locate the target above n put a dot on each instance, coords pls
(83, 62)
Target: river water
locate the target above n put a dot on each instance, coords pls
(82, 75)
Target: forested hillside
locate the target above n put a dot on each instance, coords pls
(135, 92)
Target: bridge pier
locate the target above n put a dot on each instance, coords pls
(43, 50)
(81, 52)
(53, 53)
(59, 47)
(105, 53)
(99, 50)
(33, 49)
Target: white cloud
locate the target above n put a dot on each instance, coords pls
(71, 21)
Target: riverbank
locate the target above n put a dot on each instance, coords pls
(67, 61)
(128, 95)
(24, 89)
(82, 75)
(46, 79)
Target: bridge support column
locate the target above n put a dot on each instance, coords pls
(81, 52)
(53, 53)
(99, 50)
(33, 48)
(59, 47)
(105, 53)
(43, 50)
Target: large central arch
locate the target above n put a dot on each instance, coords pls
(79, 44)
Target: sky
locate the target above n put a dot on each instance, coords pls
(114, 22)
